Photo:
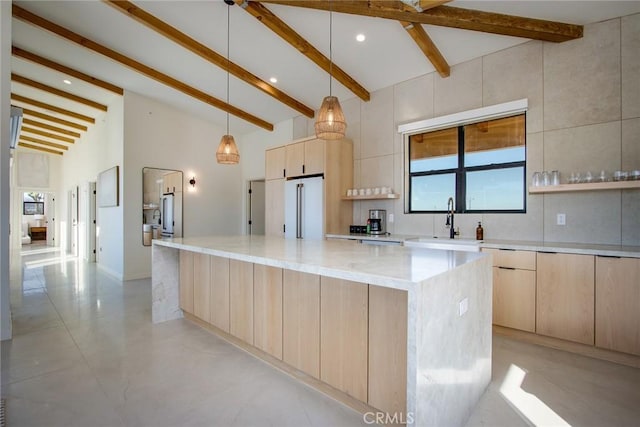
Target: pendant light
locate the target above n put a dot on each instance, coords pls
(330, 123)
(227, 152)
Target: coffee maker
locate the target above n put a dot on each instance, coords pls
(378, 221)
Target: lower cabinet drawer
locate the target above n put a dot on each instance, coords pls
(514, 298)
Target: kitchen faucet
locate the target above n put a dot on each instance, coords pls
(153, 216)
(449, 223)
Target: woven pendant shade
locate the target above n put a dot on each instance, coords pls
(330, 123)
(227, 152)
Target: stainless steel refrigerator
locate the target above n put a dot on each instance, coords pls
(167, 215)
(304, 208)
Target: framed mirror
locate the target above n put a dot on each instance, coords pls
(161, 204)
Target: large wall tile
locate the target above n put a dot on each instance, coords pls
(582, 78)
(377, 124)
(526, 226)
(351, 110)
(461, 91)
(630, 35)
(515, 73)
(376, 171)
(591, 217)
(631, 217)
(587, 148)
(631, 144)
(413, 99)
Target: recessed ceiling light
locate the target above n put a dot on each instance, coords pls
(361, 37)
(273, 80)
(67, 81)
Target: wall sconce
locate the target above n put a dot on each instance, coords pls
(192, 181)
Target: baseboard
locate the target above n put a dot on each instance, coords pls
(571, 347)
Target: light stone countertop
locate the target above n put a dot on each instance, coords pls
(395, 267)
(569, 248)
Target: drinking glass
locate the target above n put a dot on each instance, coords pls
(588, 176)
(555, 178)
(603, 176)
(546, 179)
(535, 180)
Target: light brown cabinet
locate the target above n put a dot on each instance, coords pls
(275, 164)
(301, 321)
(344, 313)
(334, 159)
(186, 281)
(565, 296)
(387, 384)
(514, 288)
(267, 309)
(220, 292)
(241, 300)
(618, 304)
(202, 286)
(172, 182)
(274, 208)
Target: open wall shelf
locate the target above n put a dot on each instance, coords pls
(591, 186)
(373, 197)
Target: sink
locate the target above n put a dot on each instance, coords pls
(469, 245)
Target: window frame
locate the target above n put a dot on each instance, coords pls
(461, 171)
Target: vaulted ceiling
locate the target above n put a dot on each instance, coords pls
(176, 52)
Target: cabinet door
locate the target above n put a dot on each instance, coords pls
(344, 335)
(618, 304)
(387, 349)
(267, 309)
(274, 207)
(202, 286)
(294, 157)
(186, 281)
(514, 298)
(275, 164)
(313, 157)
(301, 321)
(220, 293)
(565, 297)
(241, 300)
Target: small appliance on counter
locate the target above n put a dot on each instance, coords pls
(378, 221)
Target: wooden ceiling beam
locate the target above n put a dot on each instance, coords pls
(36, 103)
(424, 42)
(46, 88)
(21, 53)
(35, 147)
(47, 134)
(453, 17)
(288, 34)
(206, 53)
(26, 16)
(43, 142)
(39, 115)
(41, 125)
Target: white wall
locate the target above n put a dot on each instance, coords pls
(5, 103)
(100, 148)
(584, 115)
(160, 136)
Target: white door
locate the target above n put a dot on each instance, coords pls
(73, 221)
(256, 221)
(50, 213)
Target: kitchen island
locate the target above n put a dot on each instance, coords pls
(405, 331)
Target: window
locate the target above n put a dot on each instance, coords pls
(32, 204)
(481, 165)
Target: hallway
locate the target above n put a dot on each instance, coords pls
(86, 354)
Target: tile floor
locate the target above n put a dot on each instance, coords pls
(85, 353)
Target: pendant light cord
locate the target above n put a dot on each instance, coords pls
(228, 37)
(330, 46)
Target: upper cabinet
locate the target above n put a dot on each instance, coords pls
(275, 163)
(172, 182)
(305, 158)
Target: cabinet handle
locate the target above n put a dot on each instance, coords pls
(503, 249)
(284, 173)
(302, 168)
(609, 256)
(547, 252)
(506, 268)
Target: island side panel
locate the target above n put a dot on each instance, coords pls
(453, 350)
(165, 288)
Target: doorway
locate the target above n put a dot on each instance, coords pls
(255, 207)
(72, 237)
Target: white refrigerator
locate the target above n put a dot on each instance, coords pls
(166, 215)
(304, 208)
